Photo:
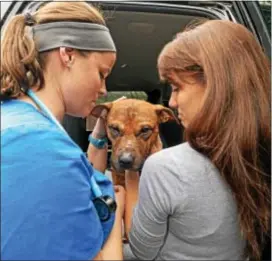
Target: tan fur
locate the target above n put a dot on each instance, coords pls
(125, 121)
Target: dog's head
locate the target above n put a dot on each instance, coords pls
(133, 129)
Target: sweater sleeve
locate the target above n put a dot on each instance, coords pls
(159, 190)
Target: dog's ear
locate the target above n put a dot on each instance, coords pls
(165, 114)
(101, 110)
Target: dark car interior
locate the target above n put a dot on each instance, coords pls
(140, 32)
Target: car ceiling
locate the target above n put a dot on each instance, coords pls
(139, 37)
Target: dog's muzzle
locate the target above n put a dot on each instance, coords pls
(126, 160)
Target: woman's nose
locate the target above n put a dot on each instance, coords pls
(172, 102)
(103, 91)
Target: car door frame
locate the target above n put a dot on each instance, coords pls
(252, 18)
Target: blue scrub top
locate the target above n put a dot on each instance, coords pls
(46, 198)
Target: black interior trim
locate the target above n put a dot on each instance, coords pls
(158, 8)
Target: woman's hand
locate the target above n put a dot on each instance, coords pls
(99, 130)
(113, 248)
(120, 196)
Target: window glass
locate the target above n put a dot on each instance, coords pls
(265, 7)
(4, 7)
(115, 95)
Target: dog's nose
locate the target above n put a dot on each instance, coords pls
(126, 160)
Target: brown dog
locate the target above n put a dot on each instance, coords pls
(133, 129)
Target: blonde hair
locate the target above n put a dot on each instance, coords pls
(20, 61)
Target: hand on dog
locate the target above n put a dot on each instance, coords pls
(99, 130)
(120, 195)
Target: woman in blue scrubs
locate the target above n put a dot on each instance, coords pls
(54, 62)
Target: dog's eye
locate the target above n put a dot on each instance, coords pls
(115, 131)
(145, 130)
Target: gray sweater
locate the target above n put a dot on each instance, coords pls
(185, 210)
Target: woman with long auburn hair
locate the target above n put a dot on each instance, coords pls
(209, 198)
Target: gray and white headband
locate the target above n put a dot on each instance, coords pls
(78, 35)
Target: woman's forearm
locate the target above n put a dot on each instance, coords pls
(132, 184)
(113, 248)
(98, 157)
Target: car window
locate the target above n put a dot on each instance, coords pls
(4, 7)
(111, 96)
(265, 7)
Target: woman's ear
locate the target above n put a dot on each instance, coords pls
(67, 56)
(165, 114)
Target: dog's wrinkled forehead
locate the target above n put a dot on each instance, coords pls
(132, 110)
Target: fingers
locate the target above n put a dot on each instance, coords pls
(103, 114)
(120, 99)
(118, 188)
(120, 197)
